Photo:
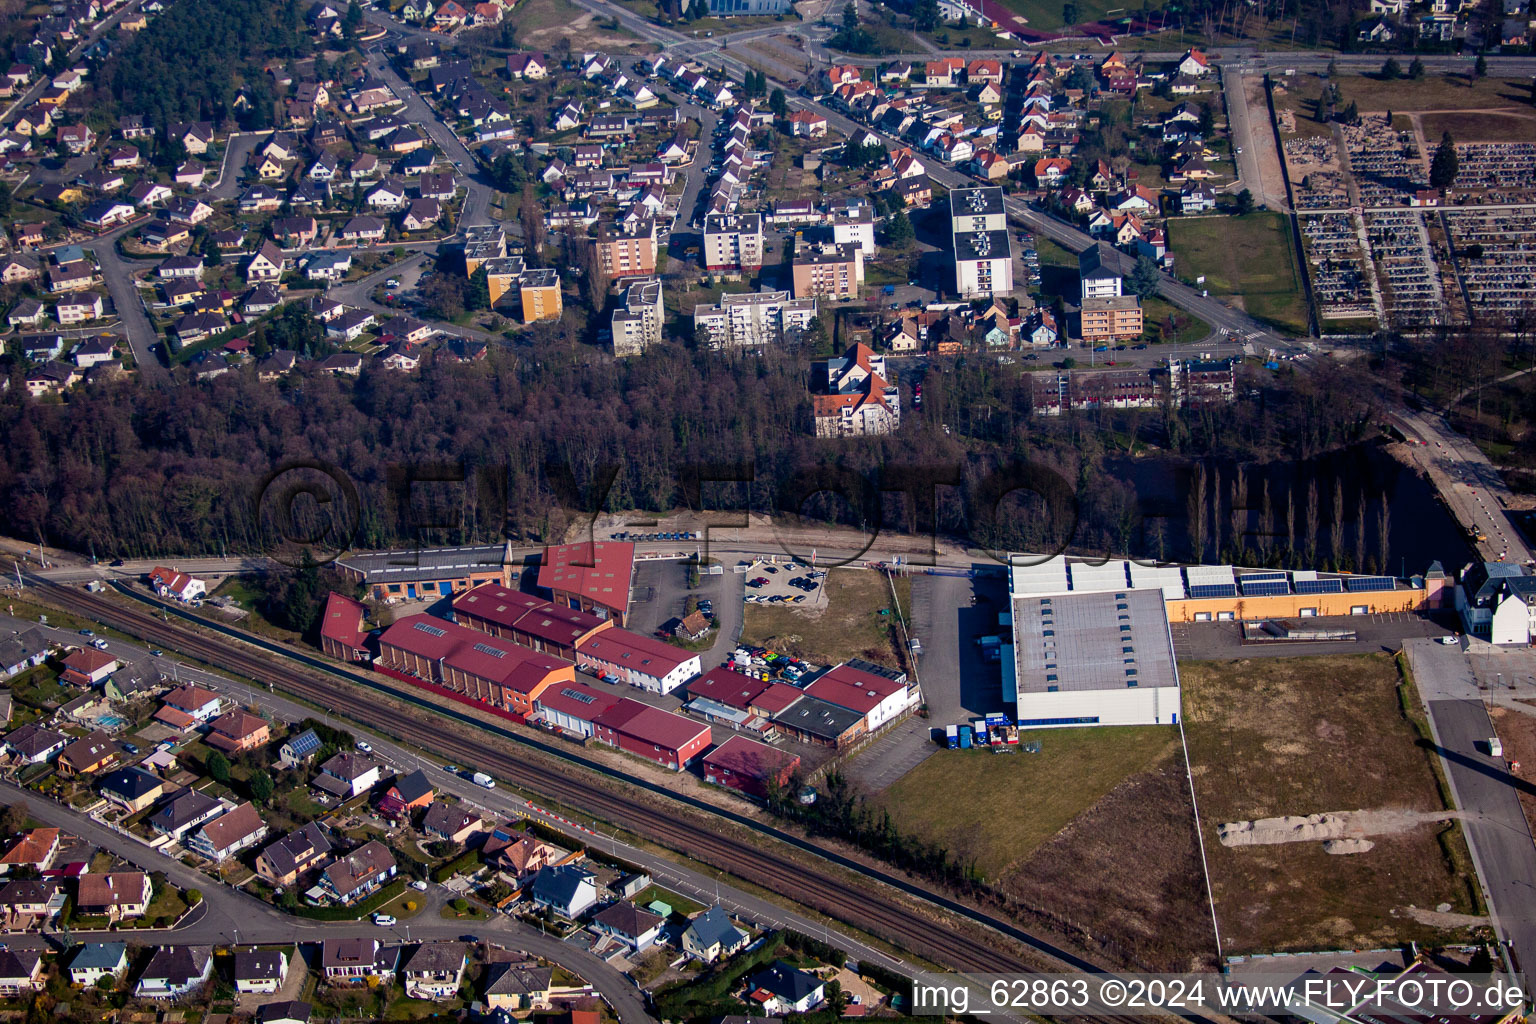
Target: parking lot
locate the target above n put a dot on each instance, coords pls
(790, 583)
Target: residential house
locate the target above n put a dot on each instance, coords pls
(452, 822)
(260, 970)
(91, 753)
(712, 936)
(228, 834)
(30, 903)
(87, 667)
(433, 970)
(189, 705)
(184, 812)
(282, 862)
(96, 960)
(132, 789)
(239, 731)
(513, 987)
(781, 989)
(407, 794)
(21, 972)
(347, 774)
(175, 971)
(634, 926)
(116, 895)
(566, 890)
(27, 649)
(357, 961)
(355, 875)
(33, 744)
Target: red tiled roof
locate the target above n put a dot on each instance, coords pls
(648, 724)
(728, 687)
(853, 689)
(598, 571)
(749, 758)
(343, 621)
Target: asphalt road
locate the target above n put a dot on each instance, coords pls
(1469, 484)
(477, 202)
(118, 275)
(1496, 829)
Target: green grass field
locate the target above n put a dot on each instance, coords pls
(1250, 258)
(997, 809)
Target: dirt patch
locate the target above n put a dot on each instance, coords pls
(1516, 729)
(1479, 126)
(1307, 736)
(1124, 876)
(1442, 919)
(849, 626)
(1340, 825)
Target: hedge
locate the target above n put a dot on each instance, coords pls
(466, 861)
(363, 909)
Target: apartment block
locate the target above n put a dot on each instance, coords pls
(538, 290)
(830, 271)
(637, 323)
(733, 242)
(1113, 318)
(983, 249)
(626, 250)
(481, 243)
(753, 318)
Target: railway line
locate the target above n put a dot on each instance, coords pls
(870, 909)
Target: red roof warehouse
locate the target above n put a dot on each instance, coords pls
(470, 662)
(526, 619)
(651, 733)
(747, 765)
(342, 635)
(592, 576)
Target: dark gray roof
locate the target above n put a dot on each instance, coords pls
(788, 983)
(130, 783)
(714, 927)
(816, 717)
(626, 919)
(290, 1009)
(558, 885)
(258, 964)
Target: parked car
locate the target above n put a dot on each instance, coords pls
(384, 920)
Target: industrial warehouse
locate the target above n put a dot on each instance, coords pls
(1092, 644)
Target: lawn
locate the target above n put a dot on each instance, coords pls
(679, 904)
(851, 625)
(541, 23)
(1249, 258)
(1432, 92)
(1187, 329)
(1480, 127)
(1015, 803)
(1296, 736)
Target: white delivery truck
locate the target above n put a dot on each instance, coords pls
(482, 779)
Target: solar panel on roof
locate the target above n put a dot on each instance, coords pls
(1265, 588)
(1320, 586)
(585, 698)
(1213, 590)
(429, 629)
(1254, 577)
(1359, 583)
(494, 652)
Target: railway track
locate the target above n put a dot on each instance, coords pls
(871, 909)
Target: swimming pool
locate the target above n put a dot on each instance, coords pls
(113, 722)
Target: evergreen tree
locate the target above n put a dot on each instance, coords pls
(779, 104)
(1145, 279)
(1391, 70)
(217, 766)
(478, 295)
(1244, 202)
(898, 230)
(850, 16)
(261, 787)
(1416, 69)
(1480, 68)
(1442, 169)
(925, 15)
